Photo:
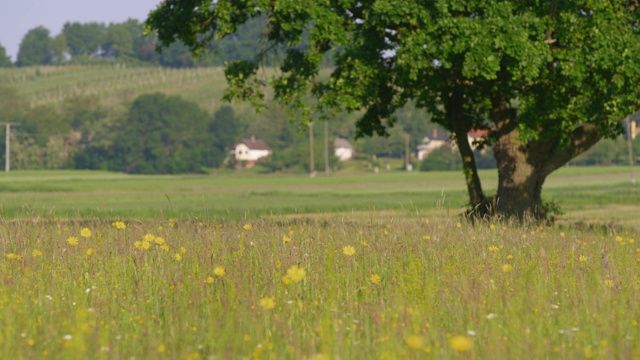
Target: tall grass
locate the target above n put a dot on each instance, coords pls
(380, 287)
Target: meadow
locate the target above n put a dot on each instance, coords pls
(105, 265)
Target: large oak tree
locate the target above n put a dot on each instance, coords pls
(548, 79)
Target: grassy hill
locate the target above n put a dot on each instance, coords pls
(116, 85)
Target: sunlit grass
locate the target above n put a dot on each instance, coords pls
(338, 288)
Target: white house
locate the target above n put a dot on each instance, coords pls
(437, 140)
(343, 149)
(251, 150)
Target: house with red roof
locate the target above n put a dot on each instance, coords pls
(251, 150)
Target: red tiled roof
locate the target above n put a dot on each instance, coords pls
(256, 144)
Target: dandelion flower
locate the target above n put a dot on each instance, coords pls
(267, 303)
(493, 248)
(149, 238)
(182, 250)
(119, 225)
(73, 241)
(582, 258)
(349, 250)
(89, 251)
(177, 257)
(12, 256)
(507, 268)
(458, 225)
(608, 283)
(164, 247)
(286, 239)
(146, 245)
(296, 274)
(219, 271)
(159, 241)
(375, 279)
(461, 343)
(415, 342)
(209, 280)
(247, 226)
(138, 244)
(85, 233)
(36, 253)
(491, 227)
(286, 280)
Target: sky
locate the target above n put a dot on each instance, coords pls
(19, 16)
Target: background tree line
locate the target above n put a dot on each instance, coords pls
(126, 41)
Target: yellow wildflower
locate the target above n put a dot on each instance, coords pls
(491, 227)
(375, 279)
(493, 248)
(90, 251)
(458, 225)
(286, 280)
(73, 241)
(582, 258)
(36, 253)
(286, 239)
(296, 273)
(146, 245)
(12, 256)
(164, 247)
(267, 303)
(209, 280)
(461, 343)
(149, 238)
(507, 268)
(161, 348)
(608, 283)
(219, 271)
(119, 225)
(138, 244)
(182, 250)
(85, 233)
(159, 240)
(349, 250)
(177, 257)
(415, 342)
(247, 226)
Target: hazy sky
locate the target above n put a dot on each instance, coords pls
(19, 16)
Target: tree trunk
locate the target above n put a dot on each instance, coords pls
(524, 166)
(455, 112)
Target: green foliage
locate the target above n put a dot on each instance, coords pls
(36, 48)
(83, 39)
(5, 60)
(441, 159)
(164, 135)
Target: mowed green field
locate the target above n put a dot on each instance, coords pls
(98, 265)
(583, 193)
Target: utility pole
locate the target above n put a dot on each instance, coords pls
(7, 144)
(630, 147)
(326, 147)
(312, 166)
(407, 164)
